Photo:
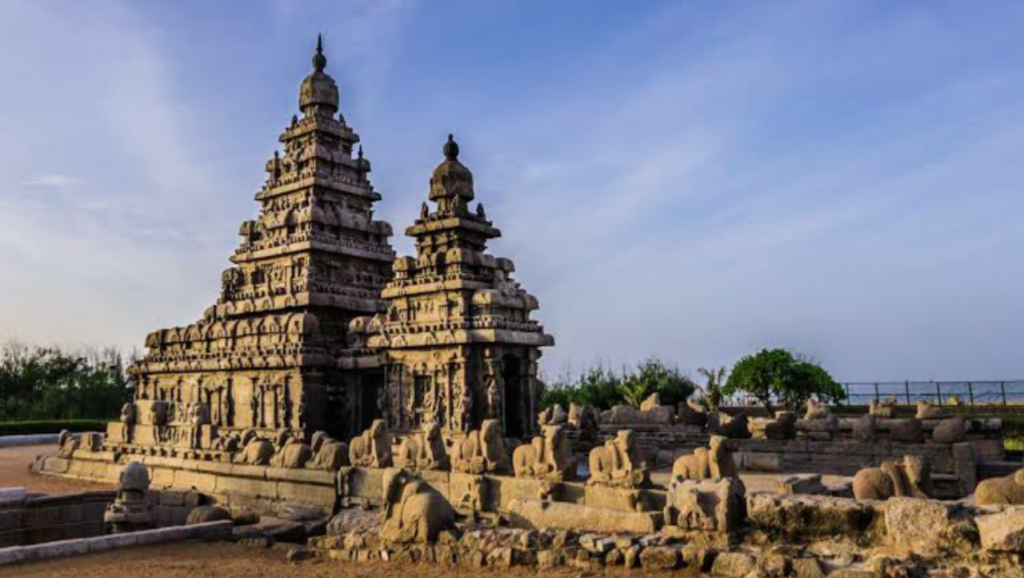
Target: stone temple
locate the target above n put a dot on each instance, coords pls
(319, 328)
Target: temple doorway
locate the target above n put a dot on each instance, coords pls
(512, 377)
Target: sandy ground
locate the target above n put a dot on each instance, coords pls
(14, 464)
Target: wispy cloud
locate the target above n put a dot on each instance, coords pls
(54, 180)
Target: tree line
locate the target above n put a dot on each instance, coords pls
(772, 378)
(55, 383)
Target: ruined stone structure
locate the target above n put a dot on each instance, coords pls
(457, 340)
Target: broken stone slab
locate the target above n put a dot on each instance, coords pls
(537, 514)
(800, 484)
(916, 525)
(733, 564)
(1002, 531)
(659, 558)
(800, 517)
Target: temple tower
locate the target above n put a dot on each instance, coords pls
(457, 342)
(265, 357)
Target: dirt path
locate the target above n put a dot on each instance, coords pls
(223, 560)
(14, 464)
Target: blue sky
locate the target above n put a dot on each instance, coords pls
(692, 180)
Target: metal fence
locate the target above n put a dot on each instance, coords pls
(938, 392)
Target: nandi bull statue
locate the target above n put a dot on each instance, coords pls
(548, 457)
(911, 479)
(714, 462)
(372, 448)
(618, 463)
(482, 451)
(413, 511)
(423, 451)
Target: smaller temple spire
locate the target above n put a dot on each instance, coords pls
(319, 60)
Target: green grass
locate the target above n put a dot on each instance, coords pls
(50, 426)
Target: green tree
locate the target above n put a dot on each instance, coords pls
(711, 395)
(777, 376)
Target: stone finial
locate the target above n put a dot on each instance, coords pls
(451, 148)
(319, 60)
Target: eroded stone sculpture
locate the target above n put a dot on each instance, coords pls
(291, 452)
(882, 408)
(256, 451)
(926, 410)
(413, 511)
(911, 478)
(730, 426)
(950, 430)
(714, 462)
(618, 462)
(482, 451)
(423, 451)
(68, 444)
(547, 457)
(372, 449)
(1006, 490)
(328, 453)
(131, 510)
(817, 410)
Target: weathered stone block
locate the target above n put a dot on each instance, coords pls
(1002, 531)
(800, 484)
(807, 517)
(733, 564)
(659, 558)
(916, 524)
(536, 514)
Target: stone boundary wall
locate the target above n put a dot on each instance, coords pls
(39, 519)
(74, 547)
(28, 440)
(265, 489)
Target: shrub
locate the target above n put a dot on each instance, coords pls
(602, 389)
(51, 426)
